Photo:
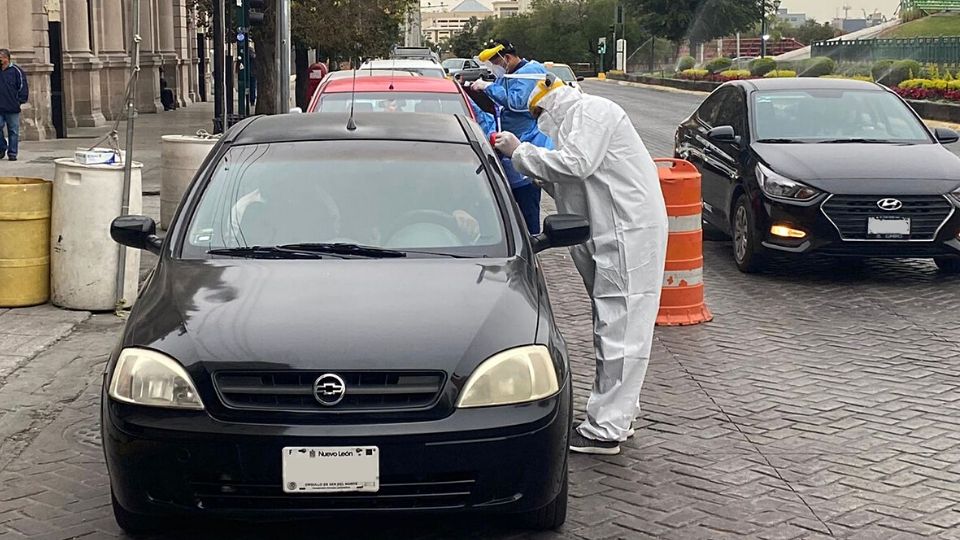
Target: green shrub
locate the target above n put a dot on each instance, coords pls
(854, 69)
(912, 83)
(953, 85)
(780, 74)
(881, 70)
(718, 64)
(900, 71)
(685, 63)
(694, 74)
(818, 66)
(735, 73)
(865, 78)
(762, 66)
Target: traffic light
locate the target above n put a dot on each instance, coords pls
(602, 46)
(255, 12)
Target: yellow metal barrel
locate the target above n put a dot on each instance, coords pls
(24, 241)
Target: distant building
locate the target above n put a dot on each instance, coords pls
(793, 19)
(503, 9)
(854, 25)
(442, 25)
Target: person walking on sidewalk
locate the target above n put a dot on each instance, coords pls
(601, 169)
(13, 93)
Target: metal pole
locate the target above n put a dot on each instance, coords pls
(219, 95)
(283, 56)
(128, 160)
(763, 28)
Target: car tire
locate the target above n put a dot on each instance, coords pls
(711, 233)
(552, 516)
(747, 251)
(133, 523)
(948, 265)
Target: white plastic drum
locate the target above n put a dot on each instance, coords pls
(83, 258)
(182, 156)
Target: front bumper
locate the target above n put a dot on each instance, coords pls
(824, 238)
(498, 459)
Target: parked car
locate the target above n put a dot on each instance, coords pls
(565, 74)
(427, 68)
(464, 68)
(835, 167)
(742, 62)
(415, 53)
(341, 320)
(386, 93)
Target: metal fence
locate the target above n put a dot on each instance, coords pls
(929, 5)
(940, 50)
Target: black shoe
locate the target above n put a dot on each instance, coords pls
(3, 154)
(12, 158)
(585, 445)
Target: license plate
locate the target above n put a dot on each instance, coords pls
(888, 228)
(331, 469)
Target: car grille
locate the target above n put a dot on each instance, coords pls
(849, 214)
(293, 390)
(441, 493)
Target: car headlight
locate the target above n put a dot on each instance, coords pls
(780, 187)
(515, 376)
(956, 196)
(145, 377)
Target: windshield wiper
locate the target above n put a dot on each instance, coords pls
(857, 140)
(339, 248)
(265, 252)
(781, 141)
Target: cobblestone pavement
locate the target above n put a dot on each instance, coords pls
(821, 402)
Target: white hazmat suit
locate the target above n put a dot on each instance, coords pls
(600, 169)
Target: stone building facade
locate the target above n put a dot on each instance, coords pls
(83, 47)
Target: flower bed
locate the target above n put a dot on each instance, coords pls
(930, 89)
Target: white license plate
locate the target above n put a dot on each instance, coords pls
(888, 228)
(331, 469)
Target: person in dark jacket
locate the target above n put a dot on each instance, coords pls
(13, 93)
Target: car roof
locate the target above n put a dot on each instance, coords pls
(401, 62)
(442, 128)
(430, 85)
(552, 64)
(810, 83)
(348, 73)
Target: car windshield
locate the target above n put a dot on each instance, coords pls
(453, 63)
(435, 72)
(415, 196)
(564, 72)
(834, 116)
(394, 102)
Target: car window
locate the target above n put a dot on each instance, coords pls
(707, 113)
(452, 63)
(563, 72)
(413, 196)
(731, 111)
(393, 102)
(472, 65)
(829, 114)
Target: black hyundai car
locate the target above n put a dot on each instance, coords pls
(835, 167)
(341, 320)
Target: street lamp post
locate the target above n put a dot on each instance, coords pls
(763, 28)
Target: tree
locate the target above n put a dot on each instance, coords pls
(698, 20)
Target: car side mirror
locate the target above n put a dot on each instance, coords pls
(562, 230)
(946, 135)
(580, 79)
(724, 134)
(138, 232)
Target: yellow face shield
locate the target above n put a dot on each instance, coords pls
(486, 54)
(542, 89)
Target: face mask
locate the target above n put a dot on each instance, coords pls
(498, 71)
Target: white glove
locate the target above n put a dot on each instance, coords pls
(506, 143)
(480, 85)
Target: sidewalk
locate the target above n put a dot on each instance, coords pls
(26, 332)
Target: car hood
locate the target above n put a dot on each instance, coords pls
(866, 169)
(335, 314)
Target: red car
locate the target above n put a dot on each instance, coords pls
(390, 93)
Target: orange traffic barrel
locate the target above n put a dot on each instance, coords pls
(681, 299)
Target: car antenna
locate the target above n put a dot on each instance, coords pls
(351, 125)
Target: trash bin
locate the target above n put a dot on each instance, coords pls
(182, 156)
(24, 241)
(83, 258)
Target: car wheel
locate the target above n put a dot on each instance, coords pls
(552, 516)
(747, 252)
(132, 523)
(711, 233)
(949, 265)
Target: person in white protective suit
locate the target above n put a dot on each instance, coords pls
(600, 169)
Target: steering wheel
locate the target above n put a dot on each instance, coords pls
(436, 217)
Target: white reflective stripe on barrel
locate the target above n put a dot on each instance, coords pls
(680, 224)
(674, 278)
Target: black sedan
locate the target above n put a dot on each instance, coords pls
(342, 320)
(835, 167)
